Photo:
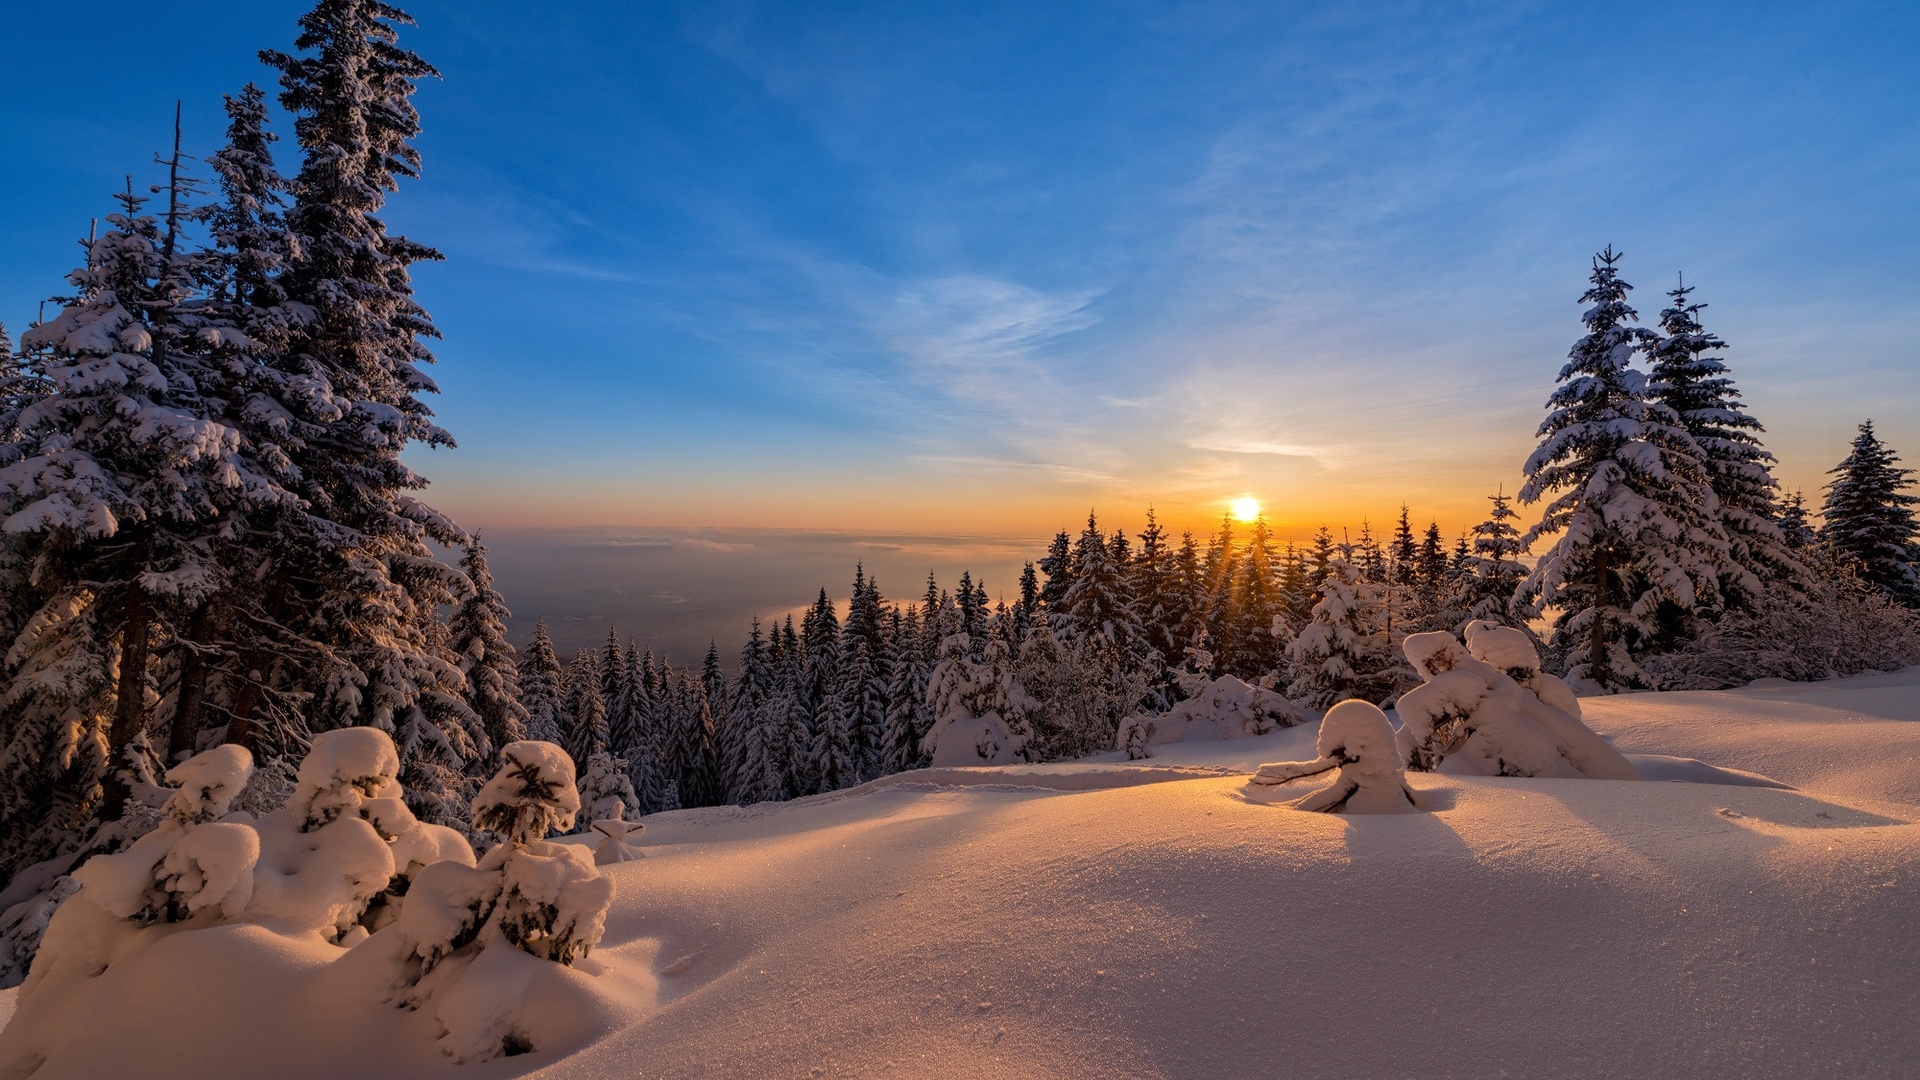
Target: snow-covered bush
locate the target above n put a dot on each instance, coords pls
(191, 862)
(466, 933)
(1357, 739)
(980, 711)
(1512, 651)
(340, 856)
(1476, 717)
(1222, 708)
(606, 792)
(1840, 626)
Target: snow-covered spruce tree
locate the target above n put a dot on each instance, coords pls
(528, 900)
(1220, 601)
(1869, 517)
(1150, 583)
(606, 792)
(1343, 651)
(541, 687)
(755, 777)
(1057, 564)
(478, 636)
(726, 736)
(907, 673)
(1261, 651)
(357, 573)
(862, 674)
(1795, 523)
(696, 764)
(58, 707)
(584, 719)
(980, 711)
(1639, 544)
(826, 761)
(1495, 572)
(1700, 391)
(131, 478)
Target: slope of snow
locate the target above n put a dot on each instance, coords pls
(1858, 736)
(1115, 920)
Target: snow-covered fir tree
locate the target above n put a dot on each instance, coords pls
(908, 668)
(1639, 544)
(828, 762)
(1869, 517)
(584, 718)
(1259, 650)
(862, 675)
(543, 688)
(1343, 651)
(1487, 589)
(478, 636)
(1697, 386)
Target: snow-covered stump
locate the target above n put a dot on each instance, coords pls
(1357, 740)
(470, 939)
(1476, 719)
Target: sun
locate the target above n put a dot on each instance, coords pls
(1245, 508)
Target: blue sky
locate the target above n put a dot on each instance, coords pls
(974, 267)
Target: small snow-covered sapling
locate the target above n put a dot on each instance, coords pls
(1357, 739)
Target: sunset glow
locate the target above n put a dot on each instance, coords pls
(1245, 508)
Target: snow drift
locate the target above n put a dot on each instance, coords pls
(1075, 921)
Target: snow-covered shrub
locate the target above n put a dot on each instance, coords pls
(532, 794)
(1841, 626)
(1222, 708)
(1476, 716)
(980, 711)
(191, 861)
(1357, 739)
(1512, 651)
(341, 855)
(465, 934)
(613, 845)
(606, 792)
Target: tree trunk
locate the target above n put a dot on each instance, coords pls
(130, 704)
(1597, 664)
(190, 701)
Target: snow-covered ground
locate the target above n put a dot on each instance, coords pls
(1107, 919)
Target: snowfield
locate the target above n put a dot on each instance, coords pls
(1107, 919)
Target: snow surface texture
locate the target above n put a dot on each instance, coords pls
(1102, 919)
(1222, 708)
(1357, 744)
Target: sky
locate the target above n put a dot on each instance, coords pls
(966, 270)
